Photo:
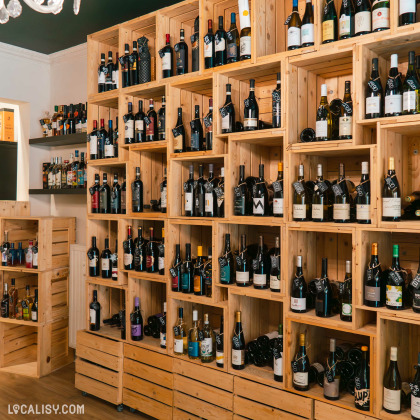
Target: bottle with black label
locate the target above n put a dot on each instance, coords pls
(128, 246)
(210, 196)
(140, 251)
(391, 195)
(393, 90)
(166, 54)
(300, 367)
(199, 193)
(181, 54)
(278, 197)
(220, 194)
(209, 47)
(105, 195)
(102, 71)
(189, 193)
(116, 196)
(362, 383)
(346, 313)
(110, 69)
(331, 376)
(260, 195)
(232, 37)
(324, 294)
(415, 392)
(220, 44)
(275, 279)
(346, 114)
(374, 93)
(220, 353)
(238, 344)
(321, 205)
(323, 117)
(411, 88)
(93, 256)
(94, 313)
(251, 110)
(299, 289)
(134, 65)
(163, 193)
(125, 64)
(243, 265)
(362, 199)
(128, 118)
(301, 198)
(179, 134)
(392, 385)
(415, 287)
(228, 112)
(242, 205)
(151, 122)
(187, 284)
(196, 132)
(261, 267)
(161, 120)
(137, 193)
(375, 289)
(362, 18)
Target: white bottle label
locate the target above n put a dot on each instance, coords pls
(208, 50)
(346, 309)
(322, 129)
(163, 198)
(207, 347)
(260, 279)
(128, 259)
(258, 206)
(294, 37)
(93, 145)
(92, 313)
(179, 345)
(301, 378)
(220, 357)
(409, 101)
(208, 207)
(345, 126)
(166, 61)
(163, 339)
(363, 211)
(92, 262)
(245, 45)
(393, 104)
(114, 77)
(274, 283)
(362, 22)
(105, 264)
(225, 122)
(250, 122)
(188, 201)
(129, 129)
(109, 150)
(278, 206)
(391, 207)
(220, 45)
(317, 211)
(35, 259)
(298, 304)
(344, 25)
(238, 357)
(101, 77)
(380, 18)
(407, 6)
(242, 277)
(415, 406)
(34, 316)
(341, 211)
(299, 211)
(278, 365)
(139, 125)
(392, 399)
(373, 105)
(308, 33)
(161, 263)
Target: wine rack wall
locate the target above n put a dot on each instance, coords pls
(150, 371)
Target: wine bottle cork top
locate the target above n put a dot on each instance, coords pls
(394, 352)
(280, 167)
(364, 348)
(374, 248)
(302, 340)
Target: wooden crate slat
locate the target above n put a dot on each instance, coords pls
(148, 373)
(146, 405)
(148, 389)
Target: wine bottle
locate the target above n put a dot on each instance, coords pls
(176, 270)
(220, 45)
(362, 18)
(102, 134)
(294, 40)
(189, 193)
(245, 23)
(308, 38)
(207, 343)
(300, 367)
(195, 46)
(163, 328)
(321, 198)
(129, 136)
(362, 383)
(301, 198)
(226, 263)
(161, 121)
(251, 110)
(181, 54)
(238, 344)
(102, 71)
(242, 200)
(209, 47)
(415, 287)
(194, 339)
(391, 195)
(151, 257)
(415, 392)
(114, 262)
(136, 320)
(374, 93)
(278, 356)
(137, 193)
(151, 122)
(331, 376)
(199, 193)
(167, 55)
(278, 192)
(220, 194)
(106, 261)
(179, 134)
(275, 279)
(105, 195)
(276, 101)
(411, 88)
(210, 196)
(395, 284)
(346, 114)
(228, 112)
(329, 22)
(94, 313)
(380, 15)
(116, 73)
(346, 313)
(362, 199)
(393, 90)
(180, 335)
(220, 352)
(199, 287)
(323, 118)
(232, 36)
(208, 273)
(261, 267)
(140, 251)
(197, 139)
(109, 69)
(128, 246)
(161, 254)
(342, 198)
(94, 195)
(299, 289)
(188, 272)
(375, 290)
(260, 195)
(93, 256)
(93, 141)
(134, 65)
(109, 150)
(407, 12)
(208, 124)
(323, 300)
(392, 385)
(163, 192)
(346, 20)
(116, 196)
(243, 266)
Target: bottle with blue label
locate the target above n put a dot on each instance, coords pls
(194, 339)
(226, 263)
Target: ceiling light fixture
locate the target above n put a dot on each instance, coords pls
(14, 8)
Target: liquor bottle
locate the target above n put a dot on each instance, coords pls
(105, 195)
(176, 270)
(69, 171)
(299, 289)
(362, 199)
(395, 284)
(128, 246)
(4, 304)
(34, 308)
(380, 15)
(161, 120)
(374, 93)
(393, 90)
(245, 24)
(199, 193)
(323, 300)
(163, 328)
(331, 376)
(163, 192)
(362, 18)
(362, 382)
(243, 265)
(27, 304)
(179, 134)
(346, 114)
(220, 353)
(187, 283)
(81, 171)
(238, 344)
(106, 270)
(228, 112)
(210, 198)
(415, 395)
(278, 198)
(181, 54)
(294, 40)
(75, 164)
(197, 139)
(167, 56)
(329, 22)
(220, 58)
(208, 124)
(137, 193)
(13, 299)
(93, 256)
(209, 47)
(180, 335)
(226, 263)
(114, 262)
(139, 126)
(276, 103)
(392, 385)
(411, 88)
(95, 313)
(136, 320)
(139, 251)
(242, 199)
(323, 118)
(199, 286)
(51, 179)
(346, 313)
(151, 122)
(307, 30)
(346, 20)
(260, 195)
(391, 195)
(102, 74)
(207, 342)
(275, 279)
(128, 118)
(261, 267)
(232, 37)
(64, 175)
(151, 257)
(116, 73)
(375, 290)
(57, 174)
(321, 198)
(124, 197)
(195, 46)
(116, 196)
(194, 339)
(189, 193)
(300, 367)
(342, 198)
(251, 110)
(407, 12)
(301, 198)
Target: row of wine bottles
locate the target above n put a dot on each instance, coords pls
(103, 144)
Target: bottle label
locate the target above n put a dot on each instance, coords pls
(193, 349)
(232, 50)
(407, 6)
(92, 314)
(163, 339)
(163, 197)
(238, 357)
(128, 259)
(129, 129)
(195, 140)
(220, 44)
(409, 100)
(101, 77)
(299, 211)
(321, 129)
(274, 283)
(208, 197)
(139, 126)
(188, 201)
(185, 284)
(242, 277)
(278, 365)
(220, 357)
(4, 256)
(346, 309)
(308, 33)
(250, 122)
(207, 347)
(150, 128)
(391, 207)
(175, 282)
(136, 330)
(166, 61)
(260, 279)
(317, 211)
(328, 30)
(415, 406)
(225, 122)
(161, 263)
(109, 150)
(93, 145)
(178, 142)
(373, 105)
(344, 26)
(373, 294)
(298, 304)
(331, 389)
(208, 50)
(394, 296)
(258, 207)
(363, 211)
(341, 211)
(197, 284)
(392, 399)
(362, 22)
(180, 60)
(416, 299)
(301, 378)
(393, 104)
(345, 126)
(294, 37)
(178, 345)
(361, 397)
(34, 316)
(380, 18)
(225, 274)
(93, 262)
(105, 264)
(245, 45)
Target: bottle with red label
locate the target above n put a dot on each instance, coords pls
(151, 122)
(176, 270)
(151, 255)
(94, 195)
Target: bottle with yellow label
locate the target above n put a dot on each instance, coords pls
(329, 22)
(199, 287)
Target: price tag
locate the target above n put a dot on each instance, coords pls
(238, 260)
(176, 331)
(296, 282)
(172, 272)
(216, 38)
(277, 186)
(337, 190)
(208, 121)
(219, 339)
(416, 281)
(223, 111)
(219, 192)
(147, 120)
(390, 182)
(369, 274)
(161, 53)
(89, 254)
(237, 191)
(360, 189)
(125, 119)
(229, 36)
(276, 96)
(122, 60)
(298, 188)
(246, 102)
(341, 288)
(276, 353)
(288, 19)
(200, 335)
(91, 190)
(207, 40)
(396, 277)
(415, 390)
(348, 107)
(176, 47)
(294, 366)
(185, 186)
(330, 376)
(255, 265)
(161, 248)
(222, 262)
(374, 85)
(319, 286)
(177, 131)
(125, 244)
(208, 187)
(274, 261)
(192, 124)
(195, 184)
(192, 38)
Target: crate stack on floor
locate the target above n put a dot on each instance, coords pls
(159, 381)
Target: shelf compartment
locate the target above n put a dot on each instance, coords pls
(67, 140)
(64, 191)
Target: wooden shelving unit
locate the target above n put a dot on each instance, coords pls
(167, 386)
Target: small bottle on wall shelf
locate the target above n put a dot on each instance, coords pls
(136, 320)
(108, 75)
(161, 121)
(207, 347)
(307, 31)
(329, 22)
(391, 195)
(194, 339)
(106, 270)
(323, 117)
(275, 273)
(362, 382)
(251, 110)
(362, 199)
(243, 265)
(134, 65)
(374, 93)
(346, 20)
(374, 284)
(346, 313)
(393, 90)
(137, 193)
(411, 88)
(331, 376)
(392, 385)
(188, 272)
(209, 47)
(301, 198)
(195, 46)
(208, 124)
(139, 126)
(220, 353)
(180, 335)
(362, 18)
(128, 246)
(95, 313)
(179, 134)
(346, 114)
(151, 122)
(128, 118)
(407, 12)
(93, 256)
(227, 112)
(163, 328)
(276, 103)
(324, 295)
(102, 75)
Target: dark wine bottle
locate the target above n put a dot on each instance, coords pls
(93, 256)
(415, 288)
(161, 121)
(415, 393)
(278, 197)
(276, 97)
(136, 320)
(179, 134)
(137, 193)
(167, 56)
(189, 193)
(329, 22)
(152, 262)
(321, 203)
(362, 383)
(261, 267)
(260, 195)
(301, 198)
(331, 376)
(362, 199)
(407, 12)
(195, 46)
(109, 70)
(163, 192)
(294, 39)
(393, 90)
(243, 265)
(300, 367)
(102, 71)
(228, 112)
(220, 352)
(299, 289)
(346, 114)
(220, 194)
(134, 65)
(208, 124)
(324, 295)
(226, 263)
(346, 20)
(342, 198)
(209, 47)
(375, 290)
(116, 196)
(95, 313)
(232, 37)
(275, 278)
(128, 118)
(105, 195)
(238, 344)
(199, 286)
(210, 197)
(125, 64)
(106, 261)
(128, 246)
(187, 284)
(151, 122)
(161, 254)
(140, 251)
(242, 205)
(93, 141)
(346, 313)
(251, 110)
(197, 139)
(220, 45)
(181, 54)
(391, 195)
(94, 195)
(176, 270)
(395, 282)
(199, 193)
(362, 18)
(411, 88)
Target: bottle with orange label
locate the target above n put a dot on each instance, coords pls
(199, 286)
